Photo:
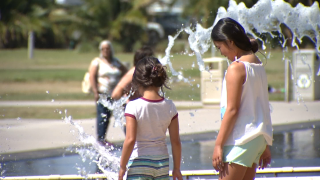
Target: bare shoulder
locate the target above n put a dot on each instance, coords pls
(131, 71)
(95, 61)
(236, 71)
(129, 74)
(236, 66)
(252, 58)
(126, 79)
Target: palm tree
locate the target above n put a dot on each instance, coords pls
(18, 18)
(118, 20)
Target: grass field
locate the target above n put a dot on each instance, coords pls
(57, 75)
(55, 112)
(60, 73)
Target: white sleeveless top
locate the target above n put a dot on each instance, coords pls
(254, 114)
(108, 75)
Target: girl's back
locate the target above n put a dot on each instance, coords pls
(148, 119)
(153, 119)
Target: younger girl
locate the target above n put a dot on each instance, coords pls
(246, 129)
(148, 119)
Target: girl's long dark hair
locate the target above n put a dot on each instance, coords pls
(229, 29)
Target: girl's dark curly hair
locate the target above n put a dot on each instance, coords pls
(150, 72)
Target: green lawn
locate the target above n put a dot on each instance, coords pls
(55, 112)
(60, 72)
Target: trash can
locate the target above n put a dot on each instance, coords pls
(306, 81)
(211, 80)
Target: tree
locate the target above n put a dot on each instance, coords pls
(18, 18)
(204, 11)
(122, 21)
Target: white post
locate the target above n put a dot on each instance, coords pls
(30, 44)
(286, 80)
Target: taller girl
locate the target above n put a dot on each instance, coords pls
(148, 119)
(246, 128)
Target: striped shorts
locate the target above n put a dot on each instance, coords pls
(148, 167)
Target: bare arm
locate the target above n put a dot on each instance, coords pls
(128, 144)
(235, 77)
(124, 82)
(93, 71)
(176, 148)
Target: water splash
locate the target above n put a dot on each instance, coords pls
(107, 162)
(166, 59)
(269, 15)
(116, 106)
(265, 16)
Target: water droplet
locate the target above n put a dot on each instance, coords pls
(52, 100)
(47, 92)
(60, 112)
(191, 114)
(198, 85)
(314, 126)
(190, 157)
(18, 118)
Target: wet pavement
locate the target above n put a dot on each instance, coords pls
(30, 144)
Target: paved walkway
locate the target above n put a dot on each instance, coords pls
(17, 136)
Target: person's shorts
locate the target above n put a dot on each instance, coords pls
(148, 167)
(245, 154)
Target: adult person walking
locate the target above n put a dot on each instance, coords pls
(105, 72)
(246, 129)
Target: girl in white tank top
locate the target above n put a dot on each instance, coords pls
(246, 129)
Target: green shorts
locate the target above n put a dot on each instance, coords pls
(245, 154)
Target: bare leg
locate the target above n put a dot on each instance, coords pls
(250, 173)
(232, 171)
